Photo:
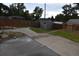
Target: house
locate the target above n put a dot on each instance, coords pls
(72, 24)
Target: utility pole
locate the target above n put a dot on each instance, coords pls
(44, 10)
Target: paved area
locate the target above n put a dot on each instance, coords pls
(27, 31)
(60, 45)
(57, 44)
(24, 47)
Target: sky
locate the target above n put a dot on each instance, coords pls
(52, 9)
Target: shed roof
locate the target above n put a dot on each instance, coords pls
(73, 21)
(57, 22)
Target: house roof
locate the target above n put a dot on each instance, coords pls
(3, 17)
(16, 17)
(73, 21)
(11, 17)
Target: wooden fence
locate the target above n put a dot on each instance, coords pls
(19, 23)
(73, 27)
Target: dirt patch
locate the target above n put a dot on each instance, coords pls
(10, 35)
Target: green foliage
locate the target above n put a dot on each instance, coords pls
(40, 30)
(4, 10)
(60, 17)
(17, 9)
(52, 18)
(37, 13)
(69, 12)
(76, 7)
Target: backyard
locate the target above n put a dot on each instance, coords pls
(25, 33)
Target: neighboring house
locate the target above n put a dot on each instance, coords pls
(3, 17)
(11, 17)
(16, 17)
(72, 24)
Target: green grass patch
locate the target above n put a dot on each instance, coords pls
(40, 30)
(69, 35)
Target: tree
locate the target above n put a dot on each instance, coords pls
(66, 13)
(27, 15)
(66, 9)
(69, 10)
(37, 13)
(17, 9)
(4, 10)
(52, 18)
(60, 17)
(76, 7)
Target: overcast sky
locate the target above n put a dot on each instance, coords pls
(52, 9)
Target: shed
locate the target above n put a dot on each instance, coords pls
(57, 24)
(46, 23)
(72, 24)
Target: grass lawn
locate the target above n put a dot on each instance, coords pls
(69, 35)
(40, 30)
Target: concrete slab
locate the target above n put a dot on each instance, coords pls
(24, 46)
(60, 45)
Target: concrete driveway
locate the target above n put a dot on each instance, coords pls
(24, 46)
(61, 45)
(40, 45)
